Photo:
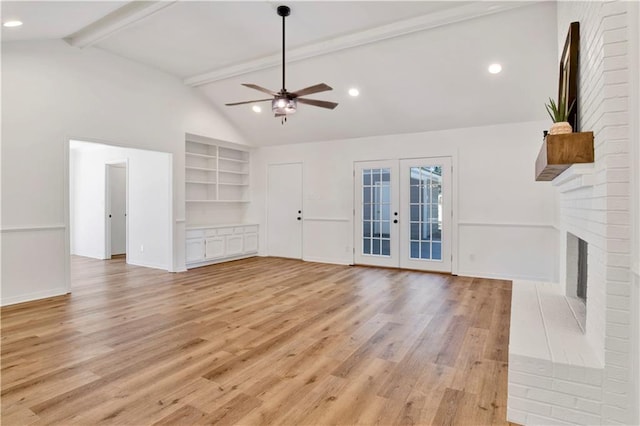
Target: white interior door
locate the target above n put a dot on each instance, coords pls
(376, 211)
(284, 210)
(117, 208)
(425, 231)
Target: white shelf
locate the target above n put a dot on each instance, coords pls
(233, 184)
(202, 169)
(197, 182)
(234, 160)
(233, 172)
(218, 201)
(195, 154)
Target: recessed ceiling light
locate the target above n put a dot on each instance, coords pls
(10, 24)
(495, 68)
(256, 108)
(354, 92)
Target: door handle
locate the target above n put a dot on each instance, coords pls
(395, 221)
(299, 218)
(109, 215)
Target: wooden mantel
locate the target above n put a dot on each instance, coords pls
(559, 152)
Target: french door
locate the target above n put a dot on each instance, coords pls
(403, 213)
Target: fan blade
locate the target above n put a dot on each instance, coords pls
(248, 102)
(311, 89)
(315, 102)
(262, 89)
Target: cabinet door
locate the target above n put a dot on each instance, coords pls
(195, 250)
(250, 243)
(214, 247)
(234, 244)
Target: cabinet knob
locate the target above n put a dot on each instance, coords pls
(299, 218)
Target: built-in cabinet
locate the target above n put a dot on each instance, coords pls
(216, 173)
(216, 189)
(212, 244)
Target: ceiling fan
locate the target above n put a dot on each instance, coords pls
(284, 102)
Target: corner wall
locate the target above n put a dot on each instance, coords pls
(52, 93)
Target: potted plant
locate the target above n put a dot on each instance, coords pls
(559, 114)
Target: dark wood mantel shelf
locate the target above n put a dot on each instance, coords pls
(559, 152)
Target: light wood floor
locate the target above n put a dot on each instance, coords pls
(258, 341)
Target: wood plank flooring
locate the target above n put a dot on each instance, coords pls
(255, 342)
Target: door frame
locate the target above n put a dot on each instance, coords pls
(455, 235)
(266, 205)
(107, 206)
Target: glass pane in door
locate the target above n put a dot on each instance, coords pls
(376, 212)
(425, 199)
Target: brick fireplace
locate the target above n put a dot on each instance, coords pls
(571, 364)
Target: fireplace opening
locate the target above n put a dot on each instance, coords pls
(577, 277)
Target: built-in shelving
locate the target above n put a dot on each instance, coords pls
(216, 173)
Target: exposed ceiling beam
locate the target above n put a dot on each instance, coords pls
(396, 29)
(115, 21)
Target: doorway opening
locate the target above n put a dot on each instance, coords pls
(116, 209)
(120, 205)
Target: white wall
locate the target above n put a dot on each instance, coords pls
(149, 198)
(505, 218)
(51, 93)
(634, 55)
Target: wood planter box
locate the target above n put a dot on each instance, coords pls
(559, 152)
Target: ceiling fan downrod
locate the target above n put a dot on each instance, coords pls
(283, 11)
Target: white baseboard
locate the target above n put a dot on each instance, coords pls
(503, 276)
(148, 265)
(324, 260)
(6, 301)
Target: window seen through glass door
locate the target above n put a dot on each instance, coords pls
(376, 212)
(425, 198)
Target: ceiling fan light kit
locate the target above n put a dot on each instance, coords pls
(285, 103)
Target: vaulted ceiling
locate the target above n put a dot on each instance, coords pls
(418, 65)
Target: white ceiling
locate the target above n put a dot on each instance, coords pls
(424, 80)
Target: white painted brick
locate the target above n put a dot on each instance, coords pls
(517, 377)
(590, 406)
(615, 104)
(551, 397)
(615, 399)
(618, 175)
(533, 419)
(615, 118)
(618, 231)
(617, 330)
(620, 146)
(615, 49)
(616, 373)
(582, 390)
(616, 386)
(529, 406)
(618, 317)
(617, 359)
(619, 260)
(618, 302)
(615, 344)
(614, 36)
(613, 8)
(517, 390)
(576, 417)
(516, 416)
(618, 203)
(610, 414)
(615, 90)
(618, 288)
(618, 245)
(614, 22)
(530, 365)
